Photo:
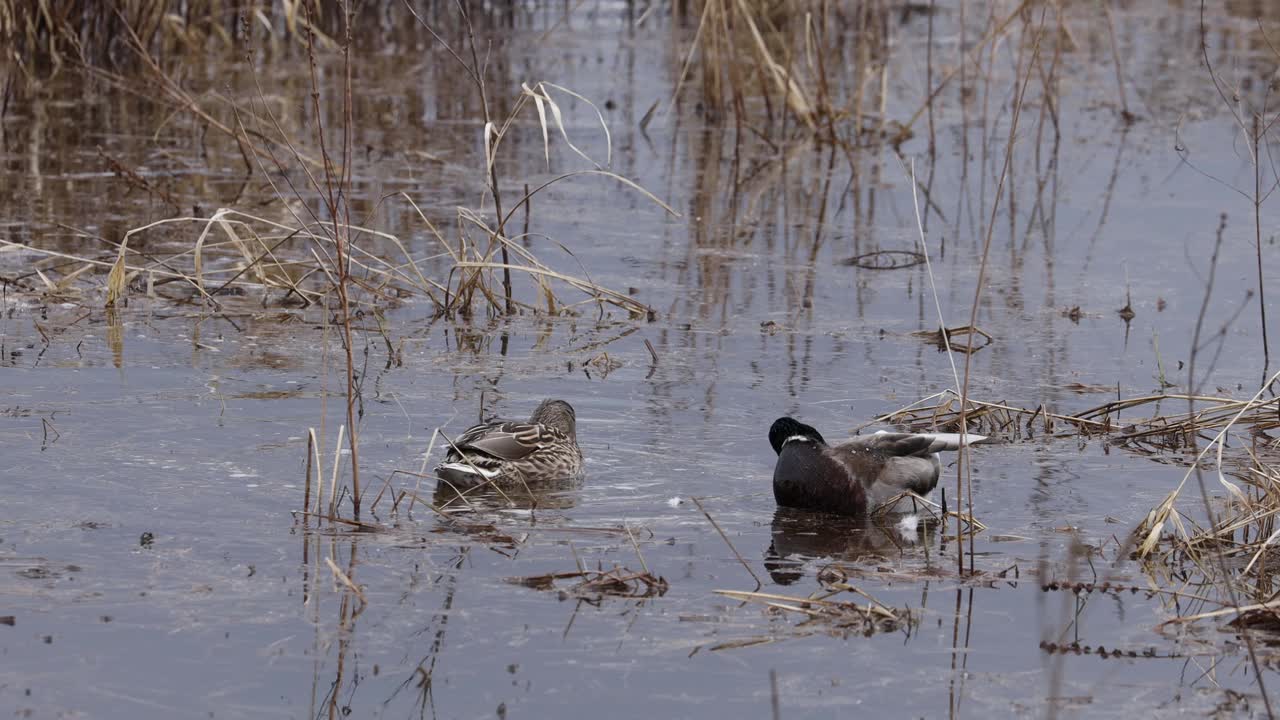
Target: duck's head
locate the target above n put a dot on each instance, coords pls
(557, 414)
(786, 429)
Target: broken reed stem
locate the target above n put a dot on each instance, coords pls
(582, 568)
(333, 481)
(314, 461)
(343, 280)
(643, 565)
(366, 526)
(850, 588)
(652, 352)
(345, 580)
(422, 471)
(373, 506)
(306, 474)
(736, 554)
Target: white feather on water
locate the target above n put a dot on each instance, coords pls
(907, 527)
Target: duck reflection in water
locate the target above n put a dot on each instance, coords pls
(799, 536)
(559, 494)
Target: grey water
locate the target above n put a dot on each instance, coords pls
(152, 563)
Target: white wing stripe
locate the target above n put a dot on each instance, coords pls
(468, 469)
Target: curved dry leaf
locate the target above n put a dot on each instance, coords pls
(559, 120)
(488, 148)
(542, 121)
(608, 138)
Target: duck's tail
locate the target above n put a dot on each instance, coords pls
(944, 441)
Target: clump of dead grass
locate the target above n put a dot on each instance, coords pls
(827, 610)
(593, 586)
(1117, 419)
(1203, 559)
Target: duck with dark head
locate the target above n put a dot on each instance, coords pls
(859, 474)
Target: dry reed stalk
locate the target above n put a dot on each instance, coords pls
(1220, 613)
(361, 525)
(643, 565)
(439, 511)
(1006, 169)
(336, 187)
(313, 460)
(343, 578)
(724, 537)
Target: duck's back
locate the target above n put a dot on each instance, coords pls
(808, 476)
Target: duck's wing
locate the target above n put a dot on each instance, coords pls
(508, 440)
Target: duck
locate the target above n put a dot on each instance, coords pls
(512, 453)
(859, 474)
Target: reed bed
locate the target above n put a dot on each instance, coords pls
(233, 253)
(304, 255)
(52, 36)
(791, 58)
(1226, 564)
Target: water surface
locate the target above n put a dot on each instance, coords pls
(153, 567)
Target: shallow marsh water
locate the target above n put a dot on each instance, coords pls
(151, 566)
